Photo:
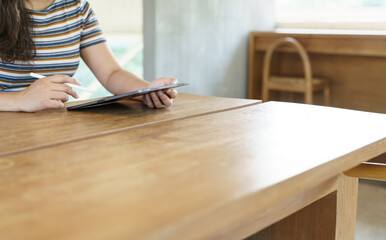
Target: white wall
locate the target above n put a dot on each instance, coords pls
(119, 15)
(204, 42)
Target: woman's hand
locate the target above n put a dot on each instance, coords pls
(162, 98)
(48, 92)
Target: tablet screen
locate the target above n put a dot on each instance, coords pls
(123, 96)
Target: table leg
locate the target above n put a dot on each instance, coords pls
(332, 217)
(346, 208)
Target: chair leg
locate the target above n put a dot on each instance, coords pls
(265, 94)
(309, 97)
(326, 93)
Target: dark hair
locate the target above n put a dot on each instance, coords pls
(16, 24)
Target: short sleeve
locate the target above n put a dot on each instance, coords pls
(91, 33)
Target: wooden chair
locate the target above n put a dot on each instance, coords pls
(307, 85)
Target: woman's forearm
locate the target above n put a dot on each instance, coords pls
(121, 81)
(10, 102)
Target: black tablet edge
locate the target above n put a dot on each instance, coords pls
(125, 95)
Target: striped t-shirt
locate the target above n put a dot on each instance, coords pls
(59, 33)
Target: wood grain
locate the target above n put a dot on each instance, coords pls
(219, 176)
(26, 131)
(354, 64)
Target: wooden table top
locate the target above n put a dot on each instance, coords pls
(26, 131)
(199, 177)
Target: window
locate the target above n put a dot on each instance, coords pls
(335, 14)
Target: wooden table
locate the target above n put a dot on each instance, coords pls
(221, 174)
(26, 131)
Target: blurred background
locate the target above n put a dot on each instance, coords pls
(206, 43)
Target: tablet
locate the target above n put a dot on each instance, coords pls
(124, 96)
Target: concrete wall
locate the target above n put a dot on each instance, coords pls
(204, 42)
(119, 15)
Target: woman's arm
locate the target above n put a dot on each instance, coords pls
(9, 102)
(117, 80)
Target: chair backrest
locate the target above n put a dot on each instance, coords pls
(299, 49)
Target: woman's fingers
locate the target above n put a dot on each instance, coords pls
(54, 104)
(166, 101)
(159, 99)
(149, 102)
(62, 96)
(172, 93)
(48, 92)
(157, 102)
(65, 88)
(163, 98)
(63, 79)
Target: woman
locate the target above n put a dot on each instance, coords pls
(48, 37)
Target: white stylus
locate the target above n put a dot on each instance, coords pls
(35, 75)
